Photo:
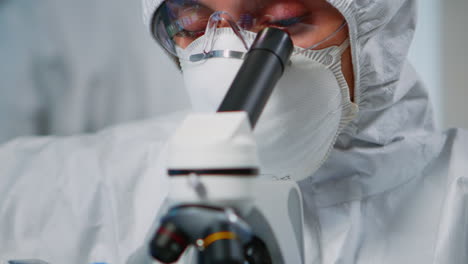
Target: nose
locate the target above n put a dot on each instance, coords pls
(224, 19)
(221, 19)
(223, 23)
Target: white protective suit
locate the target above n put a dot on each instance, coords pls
(392, 191)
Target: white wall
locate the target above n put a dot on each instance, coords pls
(425, 52)
(454, 89)
(440, 54)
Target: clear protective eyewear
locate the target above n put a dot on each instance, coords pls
(178, 23)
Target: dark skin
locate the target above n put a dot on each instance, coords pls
(307, 21)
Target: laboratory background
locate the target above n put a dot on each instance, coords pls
(440, 56)
(88, 29)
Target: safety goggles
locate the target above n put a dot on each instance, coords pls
(179, 23)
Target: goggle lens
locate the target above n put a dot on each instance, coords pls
(310, 23)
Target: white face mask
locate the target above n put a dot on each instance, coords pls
(304, 115)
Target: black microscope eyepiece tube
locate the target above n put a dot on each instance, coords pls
(263, 66)
(275, 41)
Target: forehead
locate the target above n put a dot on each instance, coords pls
(254, 4)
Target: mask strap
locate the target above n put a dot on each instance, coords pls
(337, 51)
(332, 35)
(343, 47)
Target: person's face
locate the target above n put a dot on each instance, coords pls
(307, 21)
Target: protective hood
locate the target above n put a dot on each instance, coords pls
(384, 146)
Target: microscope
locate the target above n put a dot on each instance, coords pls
(220, 207)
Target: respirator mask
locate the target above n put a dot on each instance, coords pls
(310, 104)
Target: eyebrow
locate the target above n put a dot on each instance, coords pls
(256, 2)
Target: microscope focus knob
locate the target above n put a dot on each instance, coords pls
(222, 246)
(168, 244)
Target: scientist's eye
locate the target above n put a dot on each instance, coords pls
(190, 34)
(289, 22)
(189, 20)
(286, 13)
(192, 26)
